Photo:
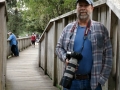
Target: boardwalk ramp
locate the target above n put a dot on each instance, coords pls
(23, 73)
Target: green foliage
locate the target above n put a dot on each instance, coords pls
(14, 17)
(33, 15)
(42, 11)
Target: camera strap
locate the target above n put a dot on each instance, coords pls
(86, 33)
(87, 29)
(72, 31)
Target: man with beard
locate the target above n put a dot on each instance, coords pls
(90, 39)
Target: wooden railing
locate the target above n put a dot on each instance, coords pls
(106, 12)
(22, 44)
(3, 44)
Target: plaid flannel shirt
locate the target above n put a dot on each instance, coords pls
(101, 50)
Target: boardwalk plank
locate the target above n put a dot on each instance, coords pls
(23, 72)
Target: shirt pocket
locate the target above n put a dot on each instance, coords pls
(100, 41)
(91, 38)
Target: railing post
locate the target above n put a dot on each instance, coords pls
(118, 59)
(55, 57)
(46, 39)
(3, 44)
(39, 54)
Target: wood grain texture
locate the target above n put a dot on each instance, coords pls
(24, 73)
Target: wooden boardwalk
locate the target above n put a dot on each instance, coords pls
(23, 73)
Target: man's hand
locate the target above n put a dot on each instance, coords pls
(67, 61)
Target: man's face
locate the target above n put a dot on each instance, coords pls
(83, 10)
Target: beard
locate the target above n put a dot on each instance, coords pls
(83, 15)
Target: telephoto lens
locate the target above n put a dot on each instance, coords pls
(67, 78)
(69, 72)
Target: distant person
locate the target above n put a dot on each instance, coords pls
(13, 44)
(33, 39)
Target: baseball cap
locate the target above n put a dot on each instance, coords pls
(89, 1)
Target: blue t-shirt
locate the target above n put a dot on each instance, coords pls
(13, 40)
(85, 64)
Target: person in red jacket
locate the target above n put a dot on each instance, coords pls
(33, 39)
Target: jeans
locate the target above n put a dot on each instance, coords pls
(14, 49)
(82, 85)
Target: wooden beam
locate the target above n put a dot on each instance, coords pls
(114, 8)
(99, 3)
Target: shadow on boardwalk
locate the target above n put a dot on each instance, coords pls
(23, 73)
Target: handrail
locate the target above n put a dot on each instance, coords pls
(55, 19)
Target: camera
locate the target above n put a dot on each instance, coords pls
(69, 72)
